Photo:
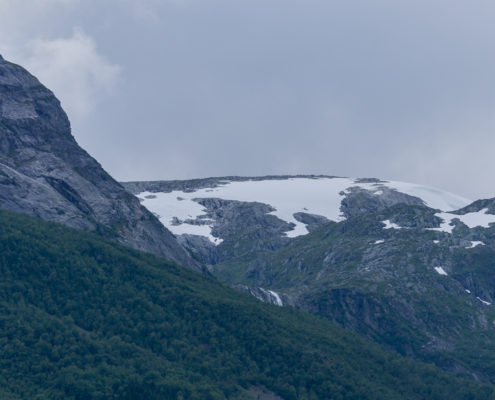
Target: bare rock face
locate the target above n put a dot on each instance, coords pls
(44, 172)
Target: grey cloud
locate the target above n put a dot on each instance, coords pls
(400, 90)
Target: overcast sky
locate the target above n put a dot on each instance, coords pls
(175, 89)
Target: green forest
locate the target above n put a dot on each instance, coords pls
(82, 317)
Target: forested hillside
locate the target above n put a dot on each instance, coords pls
(82, 317)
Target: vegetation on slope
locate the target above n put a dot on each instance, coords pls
(382, 283)
(82, 317)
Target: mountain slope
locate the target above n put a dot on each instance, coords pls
(182, 205)
(221, 218)
(43, 172)
(395, 262)
(85, 318)
(424, 293)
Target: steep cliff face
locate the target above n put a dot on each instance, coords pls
(43, 172)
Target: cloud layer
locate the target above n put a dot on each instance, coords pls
(73, 69)
(182, 89)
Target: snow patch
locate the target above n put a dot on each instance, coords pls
(432, 197)
(475, 244)
(174, 214)
(390, 225)
(486, 303)
(379, 241)
(471, 220)
(441, 271)
(467, 291)
(436, 241)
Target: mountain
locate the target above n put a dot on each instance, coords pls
(223, 218)
(83, 317)
(408, 266)
(43, 172)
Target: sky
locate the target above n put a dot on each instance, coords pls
(178, 89)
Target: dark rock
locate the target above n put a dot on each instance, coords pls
(478, 205)
(363, 202)
(192, 185)
(312, 221)
(246, 227)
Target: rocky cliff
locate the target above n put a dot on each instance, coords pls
(43, 172)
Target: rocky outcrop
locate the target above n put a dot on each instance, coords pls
(43, 172)
(248, 228)
(478, 205)
(192, 185)
(360, 201)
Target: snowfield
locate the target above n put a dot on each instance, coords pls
(432, 197)
(181, 214)
(471, 220)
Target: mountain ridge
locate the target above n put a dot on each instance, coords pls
(349, 197)
(44, 172)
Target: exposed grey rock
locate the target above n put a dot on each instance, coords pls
(43, 172)
(312, 221)
(363, 202)
(478, 205)
(369, 180)
(204, 249)
(191, 185)
(245, 227)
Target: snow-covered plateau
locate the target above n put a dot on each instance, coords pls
(181, 213)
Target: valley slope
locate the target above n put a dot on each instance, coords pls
(408, 266)
(86, 318)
